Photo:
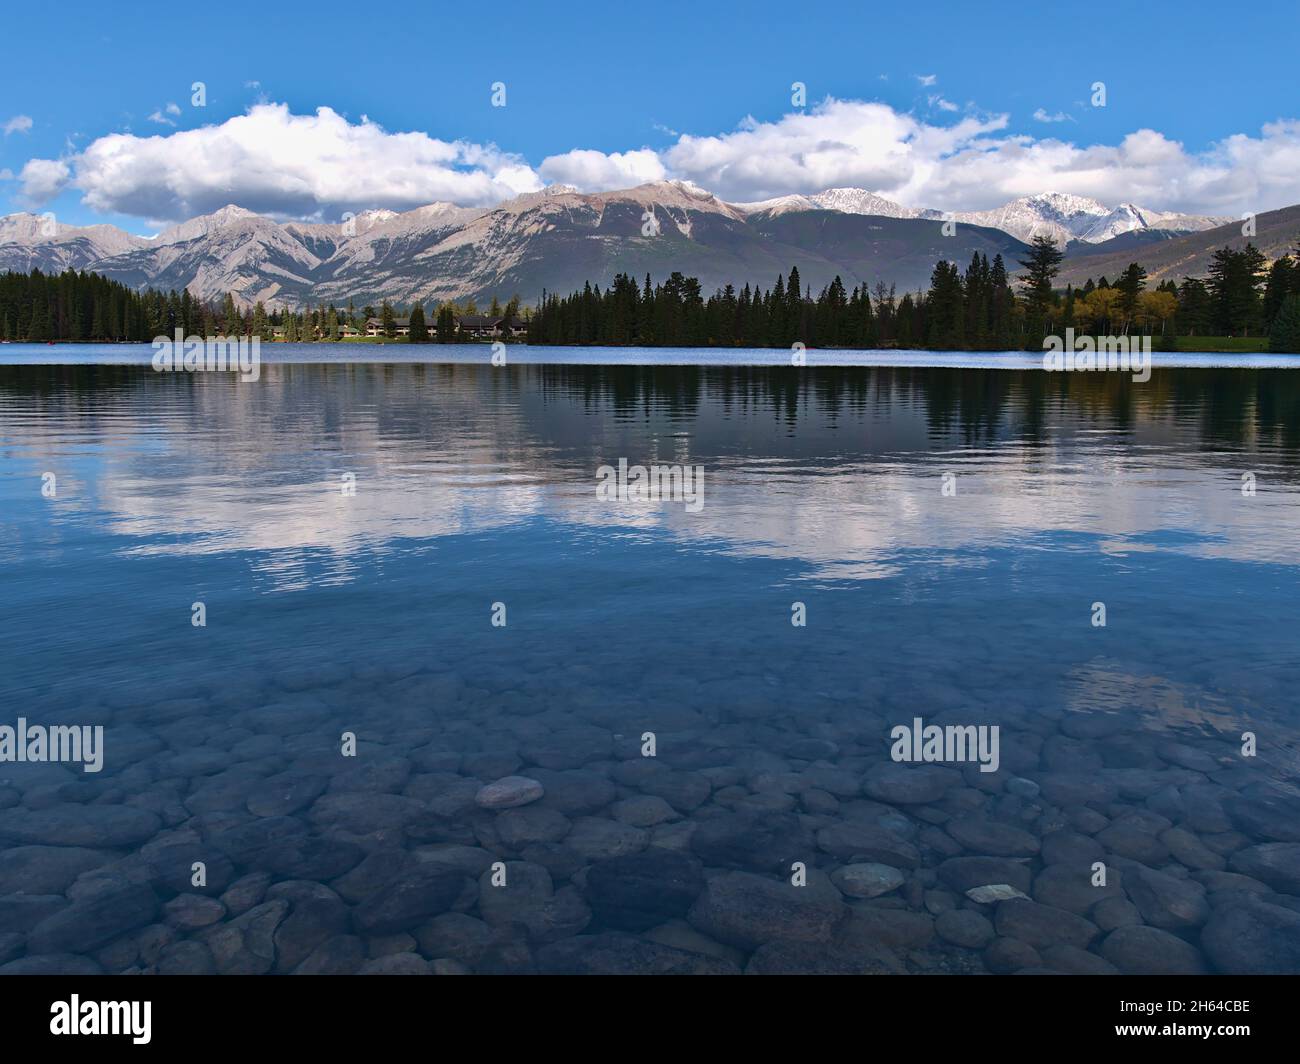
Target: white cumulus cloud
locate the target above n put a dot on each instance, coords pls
(597, 171)
(974, 163)
(322, 164)
(42, 180)
(272, 161)
(18, 124)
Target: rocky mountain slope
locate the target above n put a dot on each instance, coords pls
(559, 238)
(1187, 254)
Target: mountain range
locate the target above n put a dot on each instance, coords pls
(558, 239)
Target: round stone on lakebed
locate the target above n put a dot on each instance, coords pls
(980, 836)
(1274, 863)
(869, 880)
(1143, 950)
(1252, 937)
(966, 873)
(1267, 814)
(963, 927)
(746, 910)
(1042, 925)
(899, 784)
(77, 825)
(508, 792)
(760, 842)
(639, 891)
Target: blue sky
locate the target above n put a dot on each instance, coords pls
(609, 80)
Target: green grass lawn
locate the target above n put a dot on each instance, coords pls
(1241, 345)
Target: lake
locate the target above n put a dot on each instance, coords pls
(409, 589)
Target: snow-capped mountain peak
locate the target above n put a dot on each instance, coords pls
(554, 238)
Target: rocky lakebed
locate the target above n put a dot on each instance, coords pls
(521, 835)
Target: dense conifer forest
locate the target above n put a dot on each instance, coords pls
(980, 308)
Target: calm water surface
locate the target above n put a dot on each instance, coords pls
(371, 614)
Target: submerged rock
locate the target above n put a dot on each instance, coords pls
(963, 927)
(756, 842)
(621, 954)
(746, 910)
(638, 891)
(867, 880)
(509, 792)
(1253, 938)
(1274, 863)
(1150, 951)
(87, 924)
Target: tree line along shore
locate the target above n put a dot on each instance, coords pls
(1244, 303)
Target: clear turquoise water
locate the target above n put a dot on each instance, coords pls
(475, 485)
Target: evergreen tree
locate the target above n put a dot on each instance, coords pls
(419, 331)
(232, 325)
(1130, 285)
(1284, 336)
(1233, 285)
(1041, 268)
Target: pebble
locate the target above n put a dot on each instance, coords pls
(680, 935)
(1150, 951)
(46, 869)
(1023, 788)
(867, 880)
(521, 827)
(1274, 863)
(1253, 938)
(964, 873)
(638, 891)
(596, 838)
(92, 922)
(396, 964)
(1042, 925)
(422, 891)
(902, 784)
(756, 842)
(982, 836)
(1006, 955)
(615, 953)
(1165, 901)
(188, 912)
(79, 826)
(963, 927)
(508, 792)
(529, 898)
(849, 840)
(994, 892)
(745, 910)
(643, 811)
(246, 945)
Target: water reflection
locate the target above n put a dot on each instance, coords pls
(840, 469)
(368, 614)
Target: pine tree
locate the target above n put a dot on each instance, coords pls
(1284, 337)
(419, 331)
(1041, 268)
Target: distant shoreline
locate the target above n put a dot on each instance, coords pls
(1192, 345)
(478, 354)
